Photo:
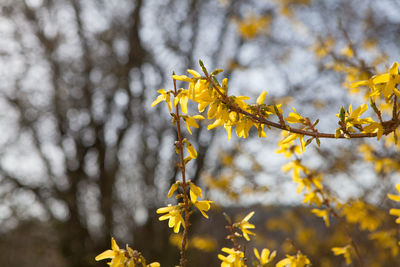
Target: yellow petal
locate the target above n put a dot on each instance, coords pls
(383, 78)
(154, 264)
(261, 98)
(212, 110)
(181, 78)
(398, 187)
(108, 254)
(158, 100)
(358, 84)
(184, 101)
(264, 255)
(177, 226)
(117, 260)
(394, 69)
(247, 218)
(228, 129)
(194, 73)
(283, 263)
(173, 188)
(198, 117)
(114, 245)
(303, 143)
(164, 209)
(256, 253)
(216, 123)
(394, 197)
(192, 151)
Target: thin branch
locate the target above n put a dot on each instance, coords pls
(186, 203)
(392, 124)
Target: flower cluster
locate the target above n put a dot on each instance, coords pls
(124, 257)
(235, 256)
(174, 212)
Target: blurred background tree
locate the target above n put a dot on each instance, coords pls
(83, 153)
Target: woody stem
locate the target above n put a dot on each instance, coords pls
(259, 119)
(184, 184)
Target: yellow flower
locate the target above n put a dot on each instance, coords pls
(182, 98)
(386, 239)
(216, 123)
(121, 258)
(164, 96)
(261, 98)
(323, 48)
(297, 167)
(265, 257)
(195, 192)
(206, 244)
(253, 25)
(212, 110)
(351, 118)
(244, 225)
(294, 117)
(116, 255)
(357, 112)
(228, 129)
(202, 206)
(312, 198)
(194, 73)
(154, 264)
(191, 121)
(287, 148)
(393, 80)
(388, 80)
(395, 197)
(243, 127)
(374, 127)
(183, 78)
(299, 260)
(345, 251)
(174, 216)
(324, 214)
(261, 132)
(293, 136)
(191, 150)
(395, 212)
(173, 188)
(235, 258)
(347, 51)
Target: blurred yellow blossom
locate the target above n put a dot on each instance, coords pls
(265, 257)
(235, 258)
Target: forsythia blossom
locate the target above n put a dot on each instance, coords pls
(164, 96)
(299, 260)
(122, 258)
(345, 251)
(383, 84)
(173, 215)
(235, 258)
(244, 225)
(116, 255)
(265, 257)
(324, 214)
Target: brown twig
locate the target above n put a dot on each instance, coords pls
(184, 184)
(232, 236)
(394, 123)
